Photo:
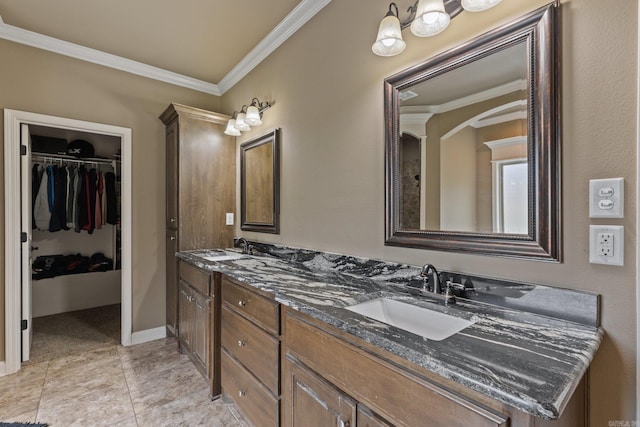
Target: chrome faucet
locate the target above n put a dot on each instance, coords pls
(430, 275)
(246, 247)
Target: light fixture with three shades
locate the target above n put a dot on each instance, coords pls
(249, 116)
(426, 18)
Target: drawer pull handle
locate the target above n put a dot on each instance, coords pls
(241, 343)
(242, 303)
(241, 393)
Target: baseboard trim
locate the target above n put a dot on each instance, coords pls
(3, 369)
(148, 335)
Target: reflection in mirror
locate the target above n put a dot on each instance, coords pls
(459, 133)
(260, 183)
(472, 139)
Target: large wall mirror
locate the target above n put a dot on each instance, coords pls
(473, 145)
(260, 183)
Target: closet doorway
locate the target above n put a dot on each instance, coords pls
(113, 241)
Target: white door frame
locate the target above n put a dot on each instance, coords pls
(12, 121)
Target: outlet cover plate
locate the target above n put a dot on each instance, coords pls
(618, 244)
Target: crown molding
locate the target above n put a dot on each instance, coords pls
(51, 44)
(506, 142)
(300, 15)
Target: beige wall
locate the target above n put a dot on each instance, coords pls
(37, 81)
(327, 91)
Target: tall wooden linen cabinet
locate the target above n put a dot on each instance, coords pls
(201, 174)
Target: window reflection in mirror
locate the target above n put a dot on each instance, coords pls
(459, 131)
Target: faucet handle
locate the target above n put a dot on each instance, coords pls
(449, 297)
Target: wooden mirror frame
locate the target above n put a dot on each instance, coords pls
(272, 137)
(540, 31)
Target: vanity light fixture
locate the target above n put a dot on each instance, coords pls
(241, 123)
(248, 116)
(426, 18)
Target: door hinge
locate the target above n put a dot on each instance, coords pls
(23, 237)
(23, 150)
(24, 324)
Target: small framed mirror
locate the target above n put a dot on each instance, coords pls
(260, 183)
(473, 145)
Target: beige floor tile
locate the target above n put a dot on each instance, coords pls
(188, 410)
(149, 384)
(107, 405)
(20, 393)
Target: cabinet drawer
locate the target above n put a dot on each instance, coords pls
(261, 310)
(198, 279)
(392, 392)
(253, 347)
(253, 399)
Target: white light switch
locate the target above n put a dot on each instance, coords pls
(606, 244)
(606, 198)
(229, 218)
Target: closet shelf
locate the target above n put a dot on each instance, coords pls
(61, 157)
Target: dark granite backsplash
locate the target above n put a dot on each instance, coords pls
(566, 304)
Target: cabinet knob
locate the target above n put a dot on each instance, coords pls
(172, 238)
(241, 393)
(172, 220)
(242, 303)
(241, 343)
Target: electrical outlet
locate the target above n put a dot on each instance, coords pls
(606, 244)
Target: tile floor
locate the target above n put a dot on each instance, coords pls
(147, 384)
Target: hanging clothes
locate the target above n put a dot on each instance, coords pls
(82, 206)
(91, 201)
(36, 177)
(98, 206)
(59, 207)
(112, 198)
(41, 212)
(70, 196)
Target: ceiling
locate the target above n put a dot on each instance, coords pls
(205, 41)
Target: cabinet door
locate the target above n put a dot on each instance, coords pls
(172, 175)
(366, 418)
(313, 402)
(201, 336)
(185, 316)
(172, 281)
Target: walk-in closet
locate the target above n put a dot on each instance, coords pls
(75, 240)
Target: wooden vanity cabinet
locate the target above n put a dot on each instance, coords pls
(318, 362)
(250, 342)
(200, 187)
(198, 321)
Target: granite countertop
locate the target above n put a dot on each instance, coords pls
(530, 361)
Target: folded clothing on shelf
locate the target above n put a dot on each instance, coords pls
(48, 266)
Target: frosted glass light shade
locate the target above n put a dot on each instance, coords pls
(253, 116)
(241, 124)
(231, 128)
(431, 18)
(478, 5)
(389, 41)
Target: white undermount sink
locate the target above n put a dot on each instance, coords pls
(421, 321)
(221, 256)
